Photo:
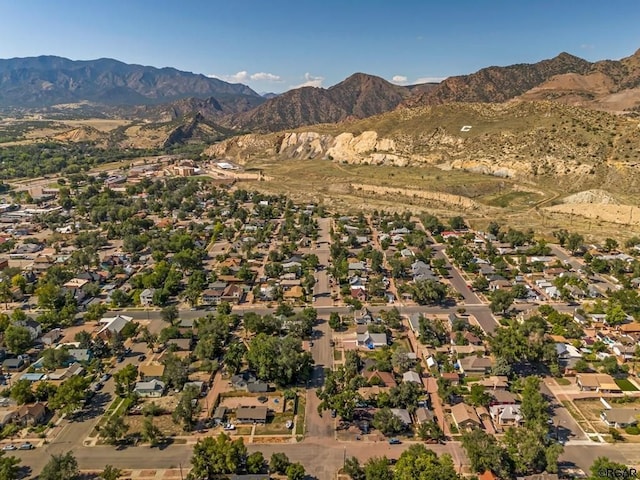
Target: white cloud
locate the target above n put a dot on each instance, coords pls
(244, 76)
(399, 79)
(266, 77)
(310, 81)
(428, 80)
(587, 46)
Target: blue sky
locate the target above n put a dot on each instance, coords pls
(275, 45)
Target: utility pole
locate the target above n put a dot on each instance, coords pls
(181, 477)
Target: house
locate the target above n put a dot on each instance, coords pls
(14, 364)
(503, 397)
(252, 414)
(149, 389)
(424, 415)
(495, 382)
(451, 377)
(376, 377)
(475, 365)
(294, 293)
(359, 294)
(232, 293)
(411, 376)
(488, 475)
(248, 381)
(33, 414)
(112, 325)
(51, 337)
(80, 354)
(146, 297)
(371, 340)
(363, 317)
(34, 328)
(465, 417)
(597, 382)
(506, 415)
(179, 344)
(219, 415)
(626, 352)
(421, 271)
(154, 371)
(402, 414)
(620, 417)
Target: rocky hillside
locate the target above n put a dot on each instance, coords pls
(359, 96)
(611, 85)
(49, 80)
(531, 141)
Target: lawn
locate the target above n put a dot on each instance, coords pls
(275, 426)
(337, 355)
(626, 385)
(563, 381)
(300, 412)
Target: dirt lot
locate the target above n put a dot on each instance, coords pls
(163, 422)
(591, 409)
(243, 399)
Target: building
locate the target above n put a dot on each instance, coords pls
(376, 377)
(597, 382)
(475, 365)
(146, 297)
(465, 417)
(112, 325)
(252, 414)
(620, 417)
(371, 340)
(31, 414)
(506, 415)
(411, 376)
(151, 389)
(154, 371)
(403, 415)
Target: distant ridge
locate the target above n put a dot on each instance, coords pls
(50, 80)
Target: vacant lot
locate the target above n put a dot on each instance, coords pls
(163, 422)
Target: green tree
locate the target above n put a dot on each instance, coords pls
(353, 468)
(385, 421)
(187, 408)
(213, 456)
(574, 242)
(256, 463)
(111, 473)
(377, 468)
(70, 395)
(83, 338)
(418, 463)
(114, 430)
(335, 322)
(295, 471)
(18, 339)
(21, 392)
(170, 314)
(61, 467)
(430, 431)
(426, 292)
(478, 396)
(53, 358)
(603, 468)
(150, 432)
(534, 408)
(279, 463)
(125, 380)
(9, 467)
(485, 453)
(501, 300)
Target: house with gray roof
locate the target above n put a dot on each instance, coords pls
(151, 389)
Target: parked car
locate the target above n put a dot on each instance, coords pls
(105, 377)
(333, 414)
(229, 426)
(26, 446)
(394, 441)
(8, 448)
(142, 358)
(289, 424)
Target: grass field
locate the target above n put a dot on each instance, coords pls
(626, 385)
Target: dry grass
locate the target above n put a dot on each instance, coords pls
(163, 422)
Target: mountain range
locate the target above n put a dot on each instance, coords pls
(167, 95)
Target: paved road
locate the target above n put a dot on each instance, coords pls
(567, 428)
(578, 264)
(321, 290)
